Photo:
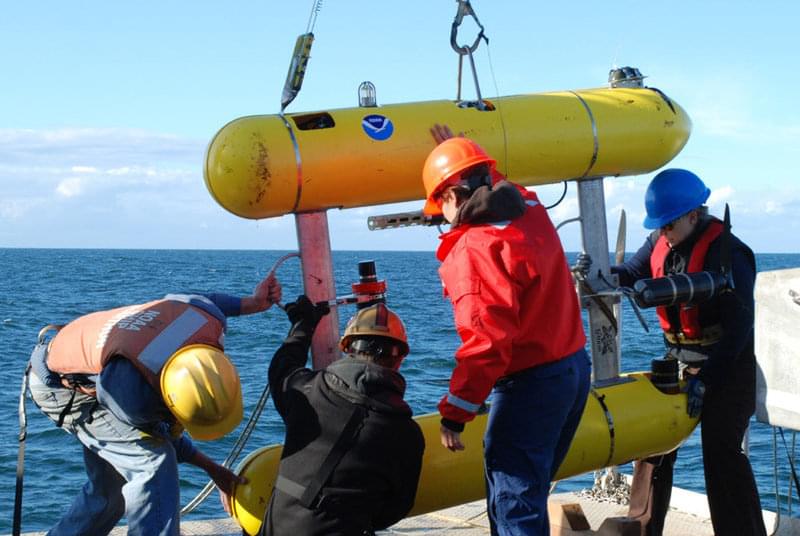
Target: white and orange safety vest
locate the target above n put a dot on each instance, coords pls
(147, 334)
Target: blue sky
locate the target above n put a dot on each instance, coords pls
(106, 107)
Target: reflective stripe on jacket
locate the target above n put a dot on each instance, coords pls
(147, 334)
(689, 315)
(514, 302)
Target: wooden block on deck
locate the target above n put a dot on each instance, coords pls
(620, 526)
(566, 518)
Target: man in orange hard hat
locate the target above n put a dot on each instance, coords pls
(353, 454)
(522, 338)
(126, 382)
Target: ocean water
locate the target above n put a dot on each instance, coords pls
(42, 286)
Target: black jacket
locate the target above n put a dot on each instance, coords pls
(374, 484)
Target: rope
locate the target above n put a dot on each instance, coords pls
(234, 454)
(777, 522)
(500, 112)
(790, 457)
(240, 443)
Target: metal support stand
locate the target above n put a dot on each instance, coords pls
(316, 262)
(603, 333)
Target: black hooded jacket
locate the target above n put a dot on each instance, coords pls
(374, 484)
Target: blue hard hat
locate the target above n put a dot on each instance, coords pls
(671, 194)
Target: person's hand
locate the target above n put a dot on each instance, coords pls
(582, 265)
(305, 312)
(450, 439)
(274, 290)
(266, 293)
(225, 480)
(225, 499)
(695, 391)
(442, 132)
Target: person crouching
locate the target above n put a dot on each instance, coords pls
(352, 455)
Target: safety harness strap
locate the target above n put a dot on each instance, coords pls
(23, 429)
(309, 495)
(709, 335)
(23, 433)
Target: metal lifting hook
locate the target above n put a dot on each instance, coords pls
(465, 8)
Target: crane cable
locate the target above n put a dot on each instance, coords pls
(466, 9)
(300, 56)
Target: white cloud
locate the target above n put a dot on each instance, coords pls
(14, 209)
(773, 207)
(120, 171)
(86, 148)
(70, 187)
(86, 162)
(727, 104)
(720, 195)
(83, 169)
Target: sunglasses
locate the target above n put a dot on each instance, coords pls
(671, 225)
(446, 195)
(470, 179)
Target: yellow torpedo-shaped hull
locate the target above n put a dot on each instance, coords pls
(622, 422)
(267, 165)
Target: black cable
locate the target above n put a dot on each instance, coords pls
(23, 434)
(560, 199)
(791, 462)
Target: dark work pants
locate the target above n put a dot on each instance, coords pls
(730, 486)
(532, 420)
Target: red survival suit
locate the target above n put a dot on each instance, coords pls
(514, 301)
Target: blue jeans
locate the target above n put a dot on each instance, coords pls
(128, 473)
(532, 420)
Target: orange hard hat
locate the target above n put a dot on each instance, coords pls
(376, 321)
(444, 165)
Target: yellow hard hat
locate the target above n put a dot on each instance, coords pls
(249, 501)
(200, 386)
(376, 320)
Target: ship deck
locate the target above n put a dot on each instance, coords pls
(688, 515)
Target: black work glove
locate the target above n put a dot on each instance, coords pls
(582, 265)
(304, 316)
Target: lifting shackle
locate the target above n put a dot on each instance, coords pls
(465, 8)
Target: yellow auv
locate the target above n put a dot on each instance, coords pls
(262, 166)
(627, 420)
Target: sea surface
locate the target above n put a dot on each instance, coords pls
(42, 286)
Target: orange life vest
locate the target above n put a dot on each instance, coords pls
(689, 315)
(147, 334)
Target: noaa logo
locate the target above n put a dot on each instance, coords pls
(377, 127)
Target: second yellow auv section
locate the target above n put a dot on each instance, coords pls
(628, 420)
(267, 165)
